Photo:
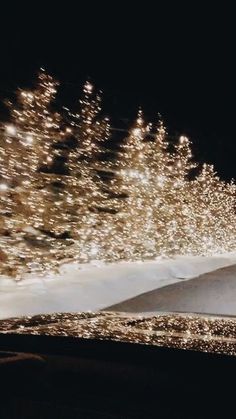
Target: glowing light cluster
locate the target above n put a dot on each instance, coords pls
(59, 202)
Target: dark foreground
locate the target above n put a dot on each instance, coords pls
(112, 366)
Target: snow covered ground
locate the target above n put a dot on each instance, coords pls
(98, 285)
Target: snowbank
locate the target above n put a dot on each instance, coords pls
(98, 285)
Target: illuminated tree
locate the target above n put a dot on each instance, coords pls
(182, 159)
(214, 212)
(27, 199)
(26, 145)
(90, 129)
(179, 196)
(158, 193)
(126, 234)
(34, 127)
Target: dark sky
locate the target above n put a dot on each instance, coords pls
(174, 58)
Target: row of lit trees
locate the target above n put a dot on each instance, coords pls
(56, 204)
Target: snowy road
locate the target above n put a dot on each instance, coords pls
(96, 286)
(213, 292)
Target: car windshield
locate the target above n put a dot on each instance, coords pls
(117, 198)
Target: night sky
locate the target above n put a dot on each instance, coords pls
(174, 59)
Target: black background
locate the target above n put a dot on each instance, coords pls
(174, 58)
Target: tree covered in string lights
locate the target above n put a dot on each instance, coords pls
(214, 211)
(157, 195)
(34, 126)
(90, 128)
(25, 146)
(178, 198)
(124, 238)
(26, 143)
(91, 131)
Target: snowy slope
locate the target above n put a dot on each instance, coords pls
(97, 286)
